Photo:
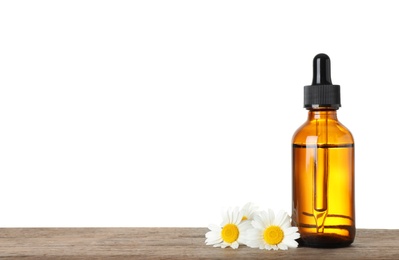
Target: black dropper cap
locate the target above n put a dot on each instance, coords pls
(322, 93)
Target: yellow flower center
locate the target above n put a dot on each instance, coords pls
(230, 233)
(244, 218)
(273, 235)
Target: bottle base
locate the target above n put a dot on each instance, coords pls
(323, 240)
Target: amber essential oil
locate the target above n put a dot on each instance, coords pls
(323, 156)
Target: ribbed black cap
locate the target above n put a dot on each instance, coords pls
(322, 92)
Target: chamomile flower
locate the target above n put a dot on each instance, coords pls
(230, 232)
(248, 211)
(272, 232)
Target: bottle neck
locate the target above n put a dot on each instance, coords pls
(322, 113)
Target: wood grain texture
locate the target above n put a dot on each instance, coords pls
(171, 243)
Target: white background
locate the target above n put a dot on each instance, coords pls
(162, 113)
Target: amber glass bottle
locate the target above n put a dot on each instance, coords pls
(323, 167)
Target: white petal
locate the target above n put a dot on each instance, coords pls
(290, 243)
(265, 219)
(234, 245)
(253, 243)
(259, 221)
(267, 246)
(246, 208)
(253, 238)
(271, 217)
(214, 227)
(225, 217)
(249, 210)
(237, 216)
(244, 225)
(217, 245)
(292, 236)
(253, 233)
(290, 230)
(242, 240)
(223, 245)
(282, 246)
(279, 218)
(233, 215)
(243, 232)
(211, 234)
(213, 237)
(213, 241)
(229, 215)
(282, 219)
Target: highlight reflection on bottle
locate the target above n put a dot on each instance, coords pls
(323, 167)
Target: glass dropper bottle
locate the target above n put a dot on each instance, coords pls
(323, 166)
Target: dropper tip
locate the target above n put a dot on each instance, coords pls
(322, 56)
(321, 70)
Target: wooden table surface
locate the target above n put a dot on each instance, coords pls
(171, 243)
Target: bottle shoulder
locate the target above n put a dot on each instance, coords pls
(323, 132)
